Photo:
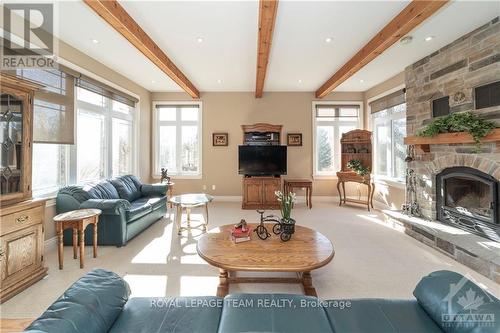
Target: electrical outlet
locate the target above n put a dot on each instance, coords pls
(213, 187)
(204, 187)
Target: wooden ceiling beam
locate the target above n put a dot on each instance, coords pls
(267, 18)
(409, 18)
(116, 16)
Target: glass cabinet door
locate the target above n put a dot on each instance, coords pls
(11, 138)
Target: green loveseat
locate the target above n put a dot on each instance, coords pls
(99, 302)
(128, 207)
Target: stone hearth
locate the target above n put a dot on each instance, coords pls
(478, 253)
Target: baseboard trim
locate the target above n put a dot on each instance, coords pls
(50, 244)
(379, 205)
(228, 198)
(301, 199)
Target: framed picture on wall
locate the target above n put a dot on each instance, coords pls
(294, 139)
(220, 139)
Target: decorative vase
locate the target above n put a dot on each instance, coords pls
(287, 229)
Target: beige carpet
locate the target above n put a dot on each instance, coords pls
(371, 260)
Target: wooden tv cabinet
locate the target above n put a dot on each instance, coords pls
(258, 192)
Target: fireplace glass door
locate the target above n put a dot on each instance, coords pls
(469, 196)
(469, 199)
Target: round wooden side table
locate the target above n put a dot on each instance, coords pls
(77, 220)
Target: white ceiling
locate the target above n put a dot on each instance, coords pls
(226, 59)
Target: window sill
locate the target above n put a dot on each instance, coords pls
(50, 199)
(388, 181)
(47, 195)
(325, 177)
(174, 177)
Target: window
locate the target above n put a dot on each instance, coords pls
(105, 132)
(101, 119)
(330, 121)
(50, 168)
(178, 139)
(53, 120)
(389, 130)
(52, 128)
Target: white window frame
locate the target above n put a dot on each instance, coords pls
(156, 123)
(332, 175)
(391, 160)
(383, 179)
(109, 114)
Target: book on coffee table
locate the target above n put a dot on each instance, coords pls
(239, 235)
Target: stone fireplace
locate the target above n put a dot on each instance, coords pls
(457, 185)
(455, 71)
(468, 199)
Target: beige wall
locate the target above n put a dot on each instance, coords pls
(385, 192)
(227, 111)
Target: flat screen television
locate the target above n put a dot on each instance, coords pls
(262, 160)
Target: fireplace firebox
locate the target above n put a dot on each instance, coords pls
(469, 199)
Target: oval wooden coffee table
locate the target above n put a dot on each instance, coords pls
(305, 251)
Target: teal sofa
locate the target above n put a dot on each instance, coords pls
(128, 207)
(99, 302)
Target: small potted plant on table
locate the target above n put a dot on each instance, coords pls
(287, 224)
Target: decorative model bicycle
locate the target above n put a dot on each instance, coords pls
(285, 230)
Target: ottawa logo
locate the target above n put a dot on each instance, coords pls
(467, 307)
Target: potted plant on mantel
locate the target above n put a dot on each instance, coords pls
(458, 127)
(287, 224)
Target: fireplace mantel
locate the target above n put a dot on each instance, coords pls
(424, 142)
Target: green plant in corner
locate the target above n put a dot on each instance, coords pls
(477, 127)
(357, 166)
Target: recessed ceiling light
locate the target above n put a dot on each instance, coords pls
(199, 39)
(429, 38)
(361, 81)
(95, 41)
(153, 81)
(299, 81)
(328, 39)
(219, 81)
(406, 40)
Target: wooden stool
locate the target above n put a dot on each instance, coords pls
(289, 185)
(78, 220)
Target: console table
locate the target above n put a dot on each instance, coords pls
(349, 176)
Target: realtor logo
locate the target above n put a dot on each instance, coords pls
(28, 36)
(464, 307)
